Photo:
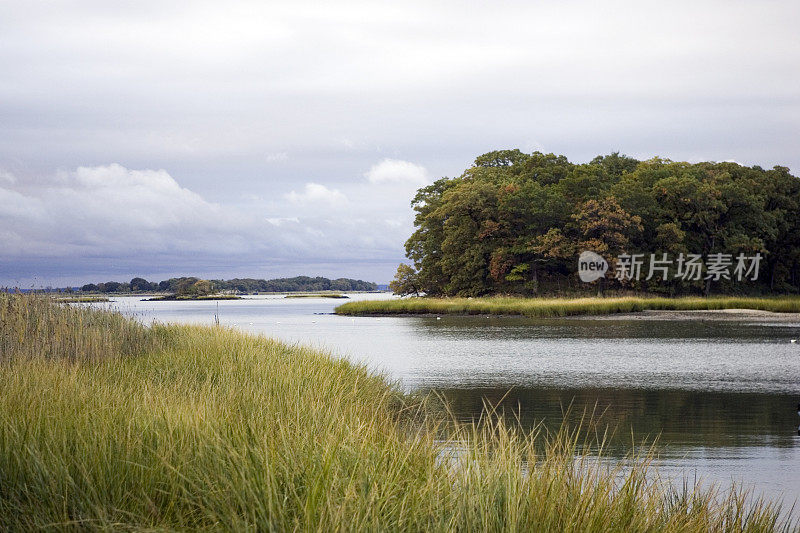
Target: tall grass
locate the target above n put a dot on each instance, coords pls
(555, 307)
(211, 429)
(35, 326)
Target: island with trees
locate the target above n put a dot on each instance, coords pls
(506, 235)
(193, 287)
(514, 223)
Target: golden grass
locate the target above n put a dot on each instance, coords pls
(555, 307)
(202, 428)
(80, 299)
(318, 295)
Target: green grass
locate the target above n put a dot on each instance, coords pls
(555, 307)
(202, 428)
(80, 299)
(318, 295)
(173, 297)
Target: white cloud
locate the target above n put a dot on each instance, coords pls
(277, 156)
(97, 218)
(394, 223)
(7, 178)
(280, 221)
(315, 194)
(107, 210)
(397, 171)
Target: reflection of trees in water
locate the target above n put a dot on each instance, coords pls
(510, 327)
(676, 417)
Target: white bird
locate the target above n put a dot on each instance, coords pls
(438, 318)
(793, 341)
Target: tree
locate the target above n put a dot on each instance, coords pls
(111, 286)
(140, 284)
(515, 222)
(185, 286)
(405, 281)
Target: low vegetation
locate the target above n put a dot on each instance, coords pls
(320, 295)
(106, 424)
(80, 299)
(554, 307)
(35, 327)
(178, 297)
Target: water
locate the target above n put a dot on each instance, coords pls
(720, 395)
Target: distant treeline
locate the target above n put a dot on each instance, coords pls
(299, 283)
(246, 285)
(516, 223)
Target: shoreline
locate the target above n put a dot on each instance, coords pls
(729, 315)
(652, 308)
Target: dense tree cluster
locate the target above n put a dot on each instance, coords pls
(192, 285)
(298, 283)
(516, 223)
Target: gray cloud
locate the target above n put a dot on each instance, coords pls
(264, 111)
(110, 215)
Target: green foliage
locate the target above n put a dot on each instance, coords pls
(515, 222)
(194, 287)
(296, 284)
(405, 281)
(142, 285)
(242, 286)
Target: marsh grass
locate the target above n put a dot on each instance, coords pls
(556, 307)
(36, 326)
(318, 295)
(80, 299)
(193, 297)
(186, 428)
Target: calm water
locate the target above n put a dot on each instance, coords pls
(721, 396)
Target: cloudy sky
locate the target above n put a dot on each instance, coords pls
(267, 139)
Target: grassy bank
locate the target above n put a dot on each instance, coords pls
(80, 299)
(554, 307)
(318, 295)
(187, 297)
(105, 424)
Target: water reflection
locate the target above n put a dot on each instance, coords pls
(679, 418)
(493, 327)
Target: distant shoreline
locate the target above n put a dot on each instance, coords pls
(174, 298)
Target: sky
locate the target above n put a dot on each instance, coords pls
(268, 139)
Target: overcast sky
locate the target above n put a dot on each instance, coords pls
(267, 139)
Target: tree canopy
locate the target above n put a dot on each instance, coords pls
(516, 223)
